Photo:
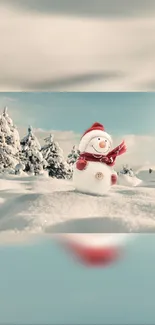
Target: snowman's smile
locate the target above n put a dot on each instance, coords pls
(99, 151)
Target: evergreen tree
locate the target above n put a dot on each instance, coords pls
(72, 158)
(4, 150)
(9, 150)
(56, 164)
(30, 155)
(13, 139)
(127, 171)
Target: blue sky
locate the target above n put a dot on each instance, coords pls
(121, 113)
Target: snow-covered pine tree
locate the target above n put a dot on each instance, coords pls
(72, 158)
(127, 171)
(56, 164)
(9, 149)
(30, 154)
(4, 151)
(14, 138)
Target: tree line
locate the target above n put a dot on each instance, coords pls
(18, 156)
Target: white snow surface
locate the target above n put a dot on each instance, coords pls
(31, 205)
(127, 180)
(98, 240)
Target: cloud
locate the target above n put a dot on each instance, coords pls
(140, 150)
(149, 85)
(104, 8)
(63, 82)
(74, 80)
(54, 51)
(8, 99)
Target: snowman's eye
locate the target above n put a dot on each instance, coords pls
(105, 140)
(99, 139)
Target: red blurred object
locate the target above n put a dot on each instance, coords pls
(95, 255)
(94, 250)
(81, 164)
(113, 179)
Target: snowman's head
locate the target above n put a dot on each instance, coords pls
(98, 145)
(95, 140)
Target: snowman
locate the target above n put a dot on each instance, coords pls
(93, 172)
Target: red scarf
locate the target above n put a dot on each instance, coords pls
(109, 159)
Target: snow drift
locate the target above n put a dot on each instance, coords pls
(35, 205)
(127, 180)
(145, 176)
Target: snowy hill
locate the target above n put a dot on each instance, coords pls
(145, 168)
(30, 205)
(145, 176)
(127, 180)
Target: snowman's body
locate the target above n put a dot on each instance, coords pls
(94, 179)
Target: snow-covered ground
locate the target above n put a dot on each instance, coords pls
(126, 180)
(147, 178)
(38, 205)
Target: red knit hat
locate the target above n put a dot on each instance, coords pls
(96, 130)
(95, 126)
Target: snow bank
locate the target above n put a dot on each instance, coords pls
(34, 205)
(43, 184)
(44, 174)
(6, 185)
(145, 176)
(127, 180)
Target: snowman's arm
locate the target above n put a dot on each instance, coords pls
(81, 164)
(113, 179)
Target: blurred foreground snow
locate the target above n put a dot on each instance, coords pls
(35, 205)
